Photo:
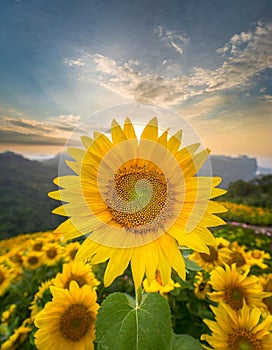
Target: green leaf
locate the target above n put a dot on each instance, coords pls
(191, 265)
(120, 325)
(185, 342)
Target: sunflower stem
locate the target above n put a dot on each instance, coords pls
(138, 295)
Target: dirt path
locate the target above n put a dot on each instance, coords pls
(258, 229)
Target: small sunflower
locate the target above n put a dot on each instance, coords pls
(238, 256)
(157, 286)
(18, 337)
(6, 277)
(137, 201)
(32, 260)
(256, 257)
(37, 244)
(217, 255)
(238, 330)
(68, 321)
(234, 288)
(52, 253)
(7, 313)
(76, 271)
(41, 298)
(71, 250)
(201, 285)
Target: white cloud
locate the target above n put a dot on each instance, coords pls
(248, 55)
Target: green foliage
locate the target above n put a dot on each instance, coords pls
(24, 203)
(185, 342)
(122, 325)
(257, 192)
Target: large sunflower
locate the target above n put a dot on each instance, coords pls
(68, 321)
(239, 330)
(137, 200)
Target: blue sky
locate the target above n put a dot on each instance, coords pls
(209, 61)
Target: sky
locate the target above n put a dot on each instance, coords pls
(210, 62)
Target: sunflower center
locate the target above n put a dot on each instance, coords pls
(75, 322)
(213, 256)
(267, 301)
(2, 277)
(242, 339)
(51, 253)
(79, 279)
(32, 260)
(256, 254)
(72, 253)
(238, 259)
(138, 197)
(234, 297)
(37, 246)
(202, 286)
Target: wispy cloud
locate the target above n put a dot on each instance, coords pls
(23, 130)
(245, 55)
(174, 39)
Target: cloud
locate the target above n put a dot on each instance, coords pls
(205, 107)
(55, 131)
(172, 38)
(246, 55)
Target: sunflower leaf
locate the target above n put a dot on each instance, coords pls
(191, 265)
(185, 342)
(122, 326)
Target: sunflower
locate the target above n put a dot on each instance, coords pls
(6, 277)
(52, 253)
(238, 256)
(70, 251)
(266, 282)
(216, 256)
(235, 289)
(32, 260)
(7, 313)
(37, 244)
(157, 286)
(18, 337)
(137, 201)
(201, 285)
(238, 330)
(41, 298)
(256, 257)
(76, 271)
(68, 321)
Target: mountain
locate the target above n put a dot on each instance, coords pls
(231, 169)
(24, 204)
(24, 184)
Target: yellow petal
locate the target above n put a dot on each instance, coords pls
(129, 129)
(77, 153)
(86, 141)
(150, 131)
(174, 142)
(117, 133)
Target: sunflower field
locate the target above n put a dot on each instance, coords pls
(159, 271)
(34, 268)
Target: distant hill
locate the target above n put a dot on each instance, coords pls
(24, 204)
(24, 184)
(232, 169)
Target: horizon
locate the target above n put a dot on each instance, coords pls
(209, 63)
(43, 157)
